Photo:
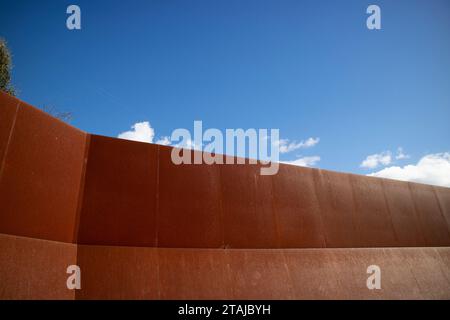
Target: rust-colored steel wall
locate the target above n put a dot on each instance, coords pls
(35, 269)
(8, 112)
(408, 273)
(249, 219)
(434, 227)
(114, 272)
(145, 228)
(189, 210)
(135, 196)
(132, 194)
(41, 173)
(443, 196)
(119, 200)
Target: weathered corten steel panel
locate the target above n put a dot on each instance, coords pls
(335, 199)
(433, 225)
(119, 200)
(397, 282)
(259, 274)
(443, 195)
(312, 269)
(297, 208)
(41, 177)
(373, 219)
(432, 284)
(247, 198)
(193, 274)
(403, 213)
(397, 279)
(114, 272)
(131, 194)
(110, 272)
(189, 204)
(444, 255)
(8, 111)
(35, 269)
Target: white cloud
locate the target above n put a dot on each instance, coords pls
(401, 155)
(304, 161)
(377, 159)
(431, 169)
(383, 159)
(285, 146)
(143, 132)
(310, 142)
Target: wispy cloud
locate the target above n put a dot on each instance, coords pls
(304, 161)
(384, 158)
(286, 146)
(401, 155)
(374, 160)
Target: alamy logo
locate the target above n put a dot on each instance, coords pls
(235, 142)
(373, 22)
(374, 280)
(73, 21)
(74, 280)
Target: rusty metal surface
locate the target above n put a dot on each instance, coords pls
(119, 199)
(334, 195)
(8, 111)
(132, 194)
(403, 215)
(41, 176)
(35, 269)
(297, 209)
(207, 276)
(135, 273)
(433, 225)
(259, 274)
(246, 196)
(189, 198)
(443, 196)
(149, 229)
(117, 272)
(372, 220)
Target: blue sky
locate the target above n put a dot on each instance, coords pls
(309, 68)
